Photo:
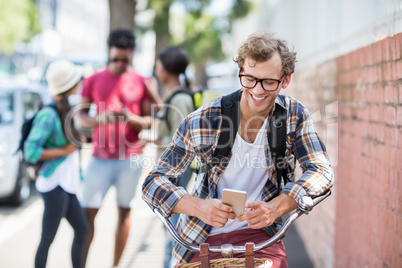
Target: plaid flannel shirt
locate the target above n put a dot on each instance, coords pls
(46, 132)
(197, 136)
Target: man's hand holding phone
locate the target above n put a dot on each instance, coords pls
(210, 211)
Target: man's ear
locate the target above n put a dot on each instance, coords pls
(286, 82)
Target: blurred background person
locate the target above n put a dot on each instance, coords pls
(170, 70)
(123, 108)
(51, 140)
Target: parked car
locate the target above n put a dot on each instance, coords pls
(18, 101)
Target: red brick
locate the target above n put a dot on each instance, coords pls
(400, 140)
(391, 94)
(340, 63)
(397, 183)
(346, 63)
(391, 136)
(398, 70)
(393, 176)
(380, 133)
(399, 115)
(372, 52)
(358, 95)
(375, 94)
(399, 231)
(365, 114)
(380, 72)
(390, 71)
(366, 60)
(398, 46)
(355, 59)
(390, 115)
(393, 48)
(395, 217)
(399, 211)
(372, 75)
(385, 49)
(377, 74)
(365, 147)
(400, 93)
(376, 113)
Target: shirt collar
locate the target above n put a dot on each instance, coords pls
(280, 102)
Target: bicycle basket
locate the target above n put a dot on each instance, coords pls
(230, 263)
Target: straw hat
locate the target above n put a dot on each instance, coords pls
(62, 76)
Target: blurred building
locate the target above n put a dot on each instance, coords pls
(69, 27)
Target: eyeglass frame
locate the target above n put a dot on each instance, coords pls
(261, 80)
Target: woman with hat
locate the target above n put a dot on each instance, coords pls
(53, 140)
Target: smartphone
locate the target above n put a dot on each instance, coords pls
(236, 199)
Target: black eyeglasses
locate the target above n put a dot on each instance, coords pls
(268, 84)
(116, 60)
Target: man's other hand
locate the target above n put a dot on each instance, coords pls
(214, 212)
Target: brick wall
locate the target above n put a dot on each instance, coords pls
(361, 224)
(369, 191)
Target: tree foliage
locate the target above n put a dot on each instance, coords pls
(201, 38)
(18, 22)
(200, 33)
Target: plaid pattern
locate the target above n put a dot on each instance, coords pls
(46, 132)
(197, 136)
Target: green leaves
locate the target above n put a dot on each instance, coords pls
(198, 32)
(201, 38)
(18, 21)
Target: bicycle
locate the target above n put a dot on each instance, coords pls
(305, 205)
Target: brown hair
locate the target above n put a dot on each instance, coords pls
(261, 46)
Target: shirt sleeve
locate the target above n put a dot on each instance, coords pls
(42, 128)
(158, 189)
(311, 153)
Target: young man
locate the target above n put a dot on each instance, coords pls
(123, 107)
(266, 65)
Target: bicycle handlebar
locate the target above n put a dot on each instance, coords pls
(305, 205)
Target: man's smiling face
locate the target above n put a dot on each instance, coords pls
(257, 100)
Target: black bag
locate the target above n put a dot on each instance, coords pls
(199, 98)
(276, 137)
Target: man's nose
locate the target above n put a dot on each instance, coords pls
(258, 88)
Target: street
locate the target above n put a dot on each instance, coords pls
(20, 233)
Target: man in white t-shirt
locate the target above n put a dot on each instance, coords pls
(265, 65)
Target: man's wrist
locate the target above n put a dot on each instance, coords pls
(185, 205)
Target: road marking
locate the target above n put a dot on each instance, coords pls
(15, 222)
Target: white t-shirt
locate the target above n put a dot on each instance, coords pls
(247, 171)
(66, 175)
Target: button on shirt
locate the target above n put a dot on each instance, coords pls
(197, 136)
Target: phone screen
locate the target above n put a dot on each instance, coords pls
(236, 199)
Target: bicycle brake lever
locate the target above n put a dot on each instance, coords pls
(306, 203)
